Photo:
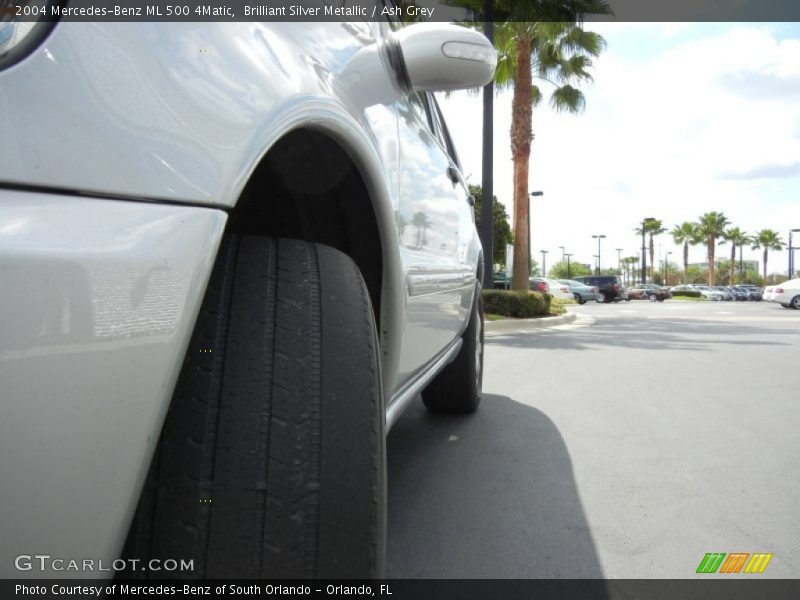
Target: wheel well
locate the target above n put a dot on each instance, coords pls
(307, 187)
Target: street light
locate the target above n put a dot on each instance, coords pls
(569, 273)
(599, 237)
(532, 194)
(644, 248)
(791, 252)
(544, 262)
(596, 263)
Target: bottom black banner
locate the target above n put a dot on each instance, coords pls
(410, 589)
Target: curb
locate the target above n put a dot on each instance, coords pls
(528, 324)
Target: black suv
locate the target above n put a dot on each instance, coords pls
(609, 287)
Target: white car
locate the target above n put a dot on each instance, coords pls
(787, 294)
(231, 255)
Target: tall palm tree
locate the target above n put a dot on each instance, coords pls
(652, 228)
(557, 53)
(768, 240)
(711, 226)
(686, 234)
(736, 237)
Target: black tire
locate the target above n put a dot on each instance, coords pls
(579, 299)
(457, 389)
(271, 462)
(795, 303)
(600, 298)
(652, 298)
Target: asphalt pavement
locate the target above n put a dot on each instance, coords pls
(625, 445)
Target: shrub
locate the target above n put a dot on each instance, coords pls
(520, 305)
(687, 293)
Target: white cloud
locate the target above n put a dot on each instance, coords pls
(670, 135)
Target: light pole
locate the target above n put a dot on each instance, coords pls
(562, 253)
(596, 264)
(531, 195)
(544, 262)
(569, 273)
(791, 253)
(644, 248)
(599, 237)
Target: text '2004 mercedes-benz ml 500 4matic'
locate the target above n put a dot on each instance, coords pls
(231, 253)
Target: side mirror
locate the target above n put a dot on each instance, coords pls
(440, 57)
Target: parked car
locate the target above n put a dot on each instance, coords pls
(649, 291)
(551, 286)
(754, 293)
(739, 295)
(609, 287)
(581, 292)
(232, 254)
(727, 295)
(708, 293)
(500, 281)
(787, 294)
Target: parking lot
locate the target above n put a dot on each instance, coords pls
(627, 448)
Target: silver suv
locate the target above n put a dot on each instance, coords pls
(232, 254)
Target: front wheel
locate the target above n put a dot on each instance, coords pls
(457, 388)
(653, 298)
(601, 298)
(272, 461)
(795, 303)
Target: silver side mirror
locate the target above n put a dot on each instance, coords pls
(442, 57)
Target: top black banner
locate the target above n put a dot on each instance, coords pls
(401, 10)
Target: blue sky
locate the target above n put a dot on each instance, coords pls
(682, 118)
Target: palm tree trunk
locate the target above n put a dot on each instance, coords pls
(765, 265)
(521, 133)
(685, 262)
(710, 258)
(733, 262)
(652, 258)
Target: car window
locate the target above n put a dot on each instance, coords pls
(419, 103)
(444, 134)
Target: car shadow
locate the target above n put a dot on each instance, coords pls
(488, 495)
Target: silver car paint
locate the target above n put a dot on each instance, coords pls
(184, 112)
(99, 300)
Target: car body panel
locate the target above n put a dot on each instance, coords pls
(99, 301)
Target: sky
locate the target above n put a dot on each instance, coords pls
(681, 119)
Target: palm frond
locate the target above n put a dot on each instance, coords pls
(568, 99)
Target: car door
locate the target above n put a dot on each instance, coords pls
(434, 223)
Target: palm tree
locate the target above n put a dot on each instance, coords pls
(686, 234)
(652, 228)
(629, 262)
(558, 53)
(736, 237)
(711, 226)
(768, 240)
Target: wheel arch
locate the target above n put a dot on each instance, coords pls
(320, 182)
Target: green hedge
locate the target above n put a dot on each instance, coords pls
(687, 293)
(519, 305)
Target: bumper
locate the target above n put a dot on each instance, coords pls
(97, 305)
